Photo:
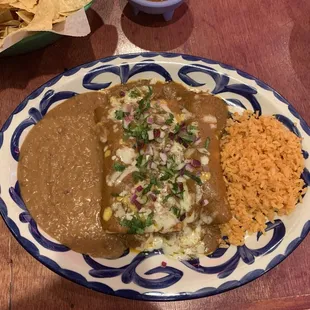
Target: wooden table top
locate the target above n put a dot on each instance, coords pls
(269, 39)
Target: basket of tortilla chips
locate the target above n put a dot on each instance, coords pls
(27, 25)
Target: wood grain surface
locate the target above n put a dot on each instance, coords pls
(267, 38)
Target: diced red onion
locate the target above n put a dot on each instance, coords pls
(181, 172)
(195, 163)
(185, 144)
(134, 201)
(126, 124)
(133, 198)
(150, 120)
(189, 168)
(156, 133)
(163, 157)
(197, 141)
(181, 186)
(139, 189)
(153, 165)
(122, 93)
(152, 196)
(204, 202)
(127, 120)
(171, 135)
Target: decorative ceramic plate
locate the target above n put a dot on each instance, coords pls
(143, 276)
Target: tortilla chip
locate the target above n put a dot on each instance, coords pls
(34, 15)
(45, 12)
(4, 6)
(25, 16)
(59, 19)
(20, 5)
(29, 4)
(8, 30)
(13, 23)
(71, 5)
(5, 15)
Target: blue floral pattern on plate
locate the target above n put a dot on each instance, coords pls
(144, 275)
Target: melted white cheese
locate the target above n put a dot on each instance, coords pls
(209, 119)
(204, 160)
(126, 154)
(182, 245)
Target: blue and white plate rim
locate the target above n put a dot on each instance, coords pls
(131, 294)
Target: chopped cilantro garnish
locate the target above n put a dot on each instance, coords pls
(207, 142)
(168, 173)
(175, 187)
(139, 127)
(193, 177)
(177, 191)
(119, 167)
(177, 128)
(187, 138)
(135, 93)
(156, 191)
(154, 181)
(119, 114)
(138, 176)
(139, 160)
(169, 121)
(149, 220)
(167, 197)
(140, 132)
(147, 189)
(144, 104)
(137, 224)
(191, 129)
(176, 211)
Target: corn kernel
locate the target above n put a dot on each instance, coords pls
(205, 176)
(121, 141)
(107, 153)
(132, 207)
(119, 199)
(107, 213)
(180, 118)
